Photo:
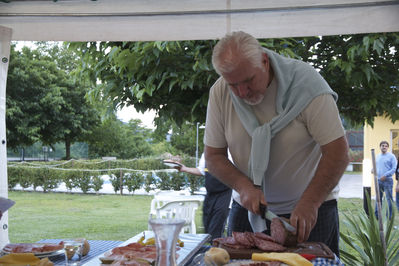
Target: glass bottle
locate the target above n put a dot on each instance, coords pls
(166, 234)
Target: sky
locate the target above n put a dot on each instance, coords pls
(129, 112)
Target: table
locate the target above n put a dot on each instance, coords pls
(166, 196)
(192, 244)
(97, 247)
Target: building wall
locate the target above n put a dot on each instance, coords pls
(383, 129)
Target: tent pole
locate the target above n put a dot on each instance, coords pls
(5, 41)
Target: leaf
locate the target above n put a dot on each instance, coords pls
(378, 46)
(366, 42)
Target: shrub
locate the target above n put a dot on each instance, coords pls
(134, 181)
(355, 156)
(364, 238)
(97, 182)
(177, 181)
(69, 177)
(164, 181)
(48, 178)
(149, 181)
(194, 182)
(115, 181)
(13, 176)
(84, 181)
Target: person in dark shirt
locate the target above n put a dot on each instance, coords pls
(217, 199)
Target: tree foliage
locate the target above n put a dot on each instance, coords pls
(44, 102)
(174, 78)
(124, 141)
(364, 71)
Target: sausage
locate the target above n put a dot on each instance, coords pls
(281, 234)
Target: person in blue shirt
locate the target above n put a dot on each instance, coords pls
(386, 166)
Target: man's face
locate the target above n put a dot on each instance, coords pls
(249, 82)
(384, 148)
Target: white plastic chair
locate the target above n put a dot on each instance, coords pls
(180, 210)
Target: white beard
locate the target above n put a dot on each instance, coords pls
(255, 101)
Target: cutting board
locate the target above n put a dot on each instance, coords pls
(318, 249)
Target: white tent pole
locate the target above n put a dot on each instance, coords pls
(5, 40)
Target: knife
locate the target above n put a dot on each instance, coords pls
(269, 215)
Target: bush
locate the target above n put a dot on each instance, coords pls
(115, 181)
(194, 182)
(75, 174)
(49, 178)
(97, 183)
(83, 181)
(13, 174)
(134, 181)
(177, 181)
(164, 181)
(69, 178)
(355, 156)
(149, 182)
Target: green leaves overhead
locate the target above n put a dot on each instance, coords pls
(169, 77)
(174, 78)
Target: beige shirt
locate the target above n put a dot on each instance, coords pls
(294, 152)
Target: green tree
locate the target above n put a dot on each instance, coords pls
(184, 138)
(364, 70)
(174, 78)
(44, 102)
(124, 141)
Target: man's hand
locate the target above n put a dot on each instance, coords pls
(179, 165)
(251, 197)
(304, 218)
(383, 178)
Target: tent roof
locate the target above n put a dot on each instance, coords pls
(134, 20)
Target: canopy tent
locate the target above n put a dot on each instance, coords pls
(145, 20)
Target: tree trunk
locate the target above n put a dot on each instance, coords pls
(67, 149)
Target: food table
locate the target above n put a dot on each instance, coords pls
(192, 244)
(97, 247)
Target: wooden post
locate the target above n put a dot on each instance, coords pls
(121, 182)
(377, 193)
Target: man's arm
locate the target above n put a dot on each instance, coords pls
(220, 166)
(329, 171)
(182, 168)
(189, 170)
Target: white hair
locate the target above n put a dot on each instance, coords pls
(233, 48)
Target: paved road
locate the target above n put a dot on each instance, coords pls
(351, 186)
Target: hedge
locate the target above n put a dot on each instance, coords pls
(86, 175)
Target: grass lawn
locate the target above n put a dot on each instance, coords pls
(38, 215)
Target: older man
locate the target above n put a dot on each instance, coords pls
(279, 119)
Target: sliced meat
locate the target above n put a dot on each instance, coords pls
(265, 263)
(243, 238)
(224, 240)
(269, 246)
(282, 235)
(264, 236)
(32, 247)
(250, 236)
